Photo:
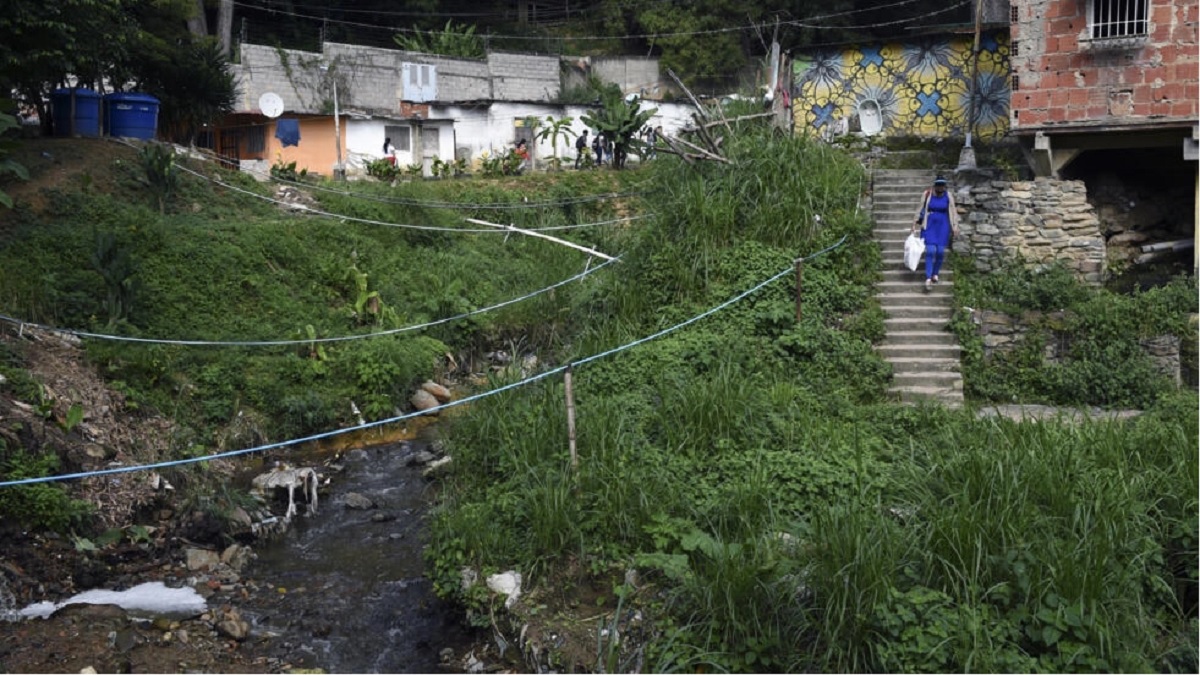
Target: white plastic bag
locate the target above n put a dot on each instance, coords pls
(914, 246)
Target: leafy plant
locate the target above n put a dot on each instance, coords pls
(453, 39)
(383, 169)
(158, 161)
(115, 265)
(553, 131)
(621, 121)
(287, 172)
(37, 505)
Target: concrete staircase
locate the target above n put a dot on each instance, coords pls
(923, 353)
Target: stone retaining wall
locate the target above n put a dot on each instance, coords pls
(1002, 332)
(1042, 221)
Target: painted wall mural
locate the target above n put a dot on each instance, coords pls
(921, 88)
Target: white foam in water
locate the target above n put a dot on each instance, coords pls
(153, 598)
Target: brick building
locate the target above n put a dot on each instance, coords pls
(1107, 91)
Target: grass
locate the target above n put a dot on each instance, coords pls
(781, 513)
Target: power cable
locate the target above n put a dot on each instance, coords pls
(429, 228)
(712, 31)
(279, 343)
(444, 406)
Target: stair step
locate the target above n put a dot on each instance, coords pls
(941, 313)
(945, 379)
(918, 338)
(917, 284)
(951, 398)
(901, 323)
(923, 365)
(946, 351)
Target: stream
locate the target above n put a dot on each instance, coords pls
(344, 590)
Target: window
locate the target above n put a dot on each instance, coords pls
(419, 81)
(401, 137)
(1117, 18)
(256, 140)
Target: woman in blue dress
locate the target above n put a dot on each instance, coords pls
(938, 220)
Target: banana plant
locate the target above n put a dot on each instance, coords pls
(621, 120)
(554, 130)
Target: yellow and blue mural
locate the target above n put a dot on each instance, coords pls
(920, 88)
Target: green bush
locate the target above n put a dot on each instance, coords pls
(39, 505)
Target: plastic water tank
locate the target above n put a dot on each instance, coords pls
(87, 112)
(131, 115)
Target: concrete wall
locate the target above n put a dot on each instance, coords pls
(1042, 221)
(922, 87)
(370, 80)
(522, 77)
(1065, 78)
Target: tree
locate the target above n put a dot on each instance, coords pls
(621, 120)
(7, 164)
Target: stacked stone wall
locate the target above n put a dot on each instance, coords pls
(1002, 332)
(1041, 221)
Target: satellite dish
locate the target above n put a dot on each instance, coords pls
(270, 104)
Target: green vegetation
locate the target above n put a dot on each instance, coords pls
(453, 39)
(1095, 334)
(780, 513)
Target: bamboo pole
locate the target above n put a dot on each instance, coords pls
(570, 393)
(564, 242)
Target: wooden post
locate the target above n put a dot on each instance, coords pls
(799, 285)
(570, 391)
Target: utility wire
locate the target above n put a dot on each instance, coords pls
(452, 205)
(713, 31)
(431, 228)
(444, 406)
(277, 343)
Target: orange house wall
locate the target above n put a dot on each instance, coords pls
(1061, 83)
(316, 151)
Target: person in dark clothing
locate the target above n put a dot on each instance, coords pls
(938, 221)
(581, 144)
(598, 145)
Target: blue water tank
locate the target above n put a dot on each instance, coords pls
(87, 112)
(131, 115)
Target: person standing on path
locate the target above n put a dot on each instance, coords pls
(938, 220)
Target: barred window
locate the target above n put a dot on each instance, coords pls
(1118, 18)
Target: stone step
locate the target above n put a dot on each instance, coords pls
(943, 379)
(923, 364)
(917, 284)
(951, 398)
(933, 312)
(945, 351)
(919, 324)
(896, 271)
(914, 338)
(912, 297)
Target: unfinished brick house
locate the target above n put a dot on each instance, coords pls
(1106, 91)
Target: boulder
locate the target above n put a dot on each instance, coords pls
(355, 500)
(439, 392)
(423, 400)
(201, 558)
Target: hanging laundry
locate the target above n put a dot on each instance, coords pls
(287, 131)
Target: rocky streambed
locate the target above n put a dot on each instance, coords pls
(340, 590)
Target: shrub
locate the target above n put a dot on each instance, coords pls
(38, 505)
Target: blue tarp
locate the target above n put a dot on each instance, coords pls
(287, 131)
